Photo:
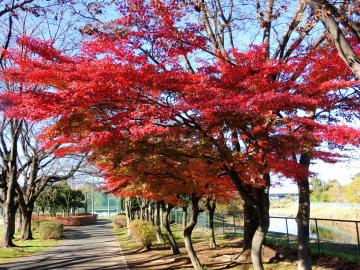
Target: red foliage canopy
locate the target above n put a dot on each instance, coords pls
(130, 85)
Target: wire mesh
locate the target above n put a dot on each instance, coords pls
(327, 236)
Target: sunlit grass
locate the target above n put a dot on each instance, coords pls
(25, 248)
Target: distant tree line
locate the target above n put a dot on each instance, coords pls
(333, 191)
(60, 197)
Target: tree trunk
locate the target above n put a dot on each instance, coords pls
(128, 215)
(86, 203)
(250, 225)
(147, 211)
(345, 51)
(173, 245)
(302, 218)
(26, 233)
(151, 213)
(256, 217)
(211, 206)
(141, 213)
(159, 236)
(9, 213)
(188, 231)
(8, 204)
(184, 217)
(9, 225)
(20, 220)
(161, 215)
(262, 213)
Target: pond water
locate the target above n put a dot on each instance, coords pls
(279, 225)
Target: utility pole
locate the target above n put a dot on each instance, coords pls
(92, 199)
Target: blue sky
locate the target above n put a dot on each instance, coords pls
(342, 171)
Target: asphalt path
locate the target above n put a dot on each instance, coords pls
(85, 247)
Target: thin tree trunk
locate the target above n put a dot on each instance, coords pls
(184, 217)
(151, 213)
(159, 236)
(141, 213)
(128, 215)
(147, 211)
(161, 215)
(302, 218)
(211, 206)
(173, 245)
(188, 231)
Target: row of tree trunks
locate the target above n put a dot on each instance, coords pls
(256, 225)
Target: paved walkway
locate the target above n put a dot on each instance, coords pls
(86, 247)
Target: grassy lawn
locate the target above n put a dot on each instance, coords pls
(25, 248)
(342, 253)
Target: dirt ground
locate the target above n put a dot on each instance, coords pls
(160, 257)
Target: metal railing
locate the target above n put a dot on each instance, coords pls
(334, 237)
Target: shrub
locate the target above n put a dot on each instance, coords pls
(143, 232)
(119, 221)
(51, 230)
(35, 223)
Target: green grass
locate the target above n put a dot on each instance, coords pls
(343, 254)
(124, 240)
(25, 248)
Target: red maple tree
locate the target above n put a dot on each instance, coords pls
(133, 82)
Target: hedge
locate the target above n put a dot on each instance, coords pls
(51, 230)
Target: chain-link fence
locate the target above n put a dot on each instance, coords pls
(96, 202)
(327, 236)
(102, 204)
